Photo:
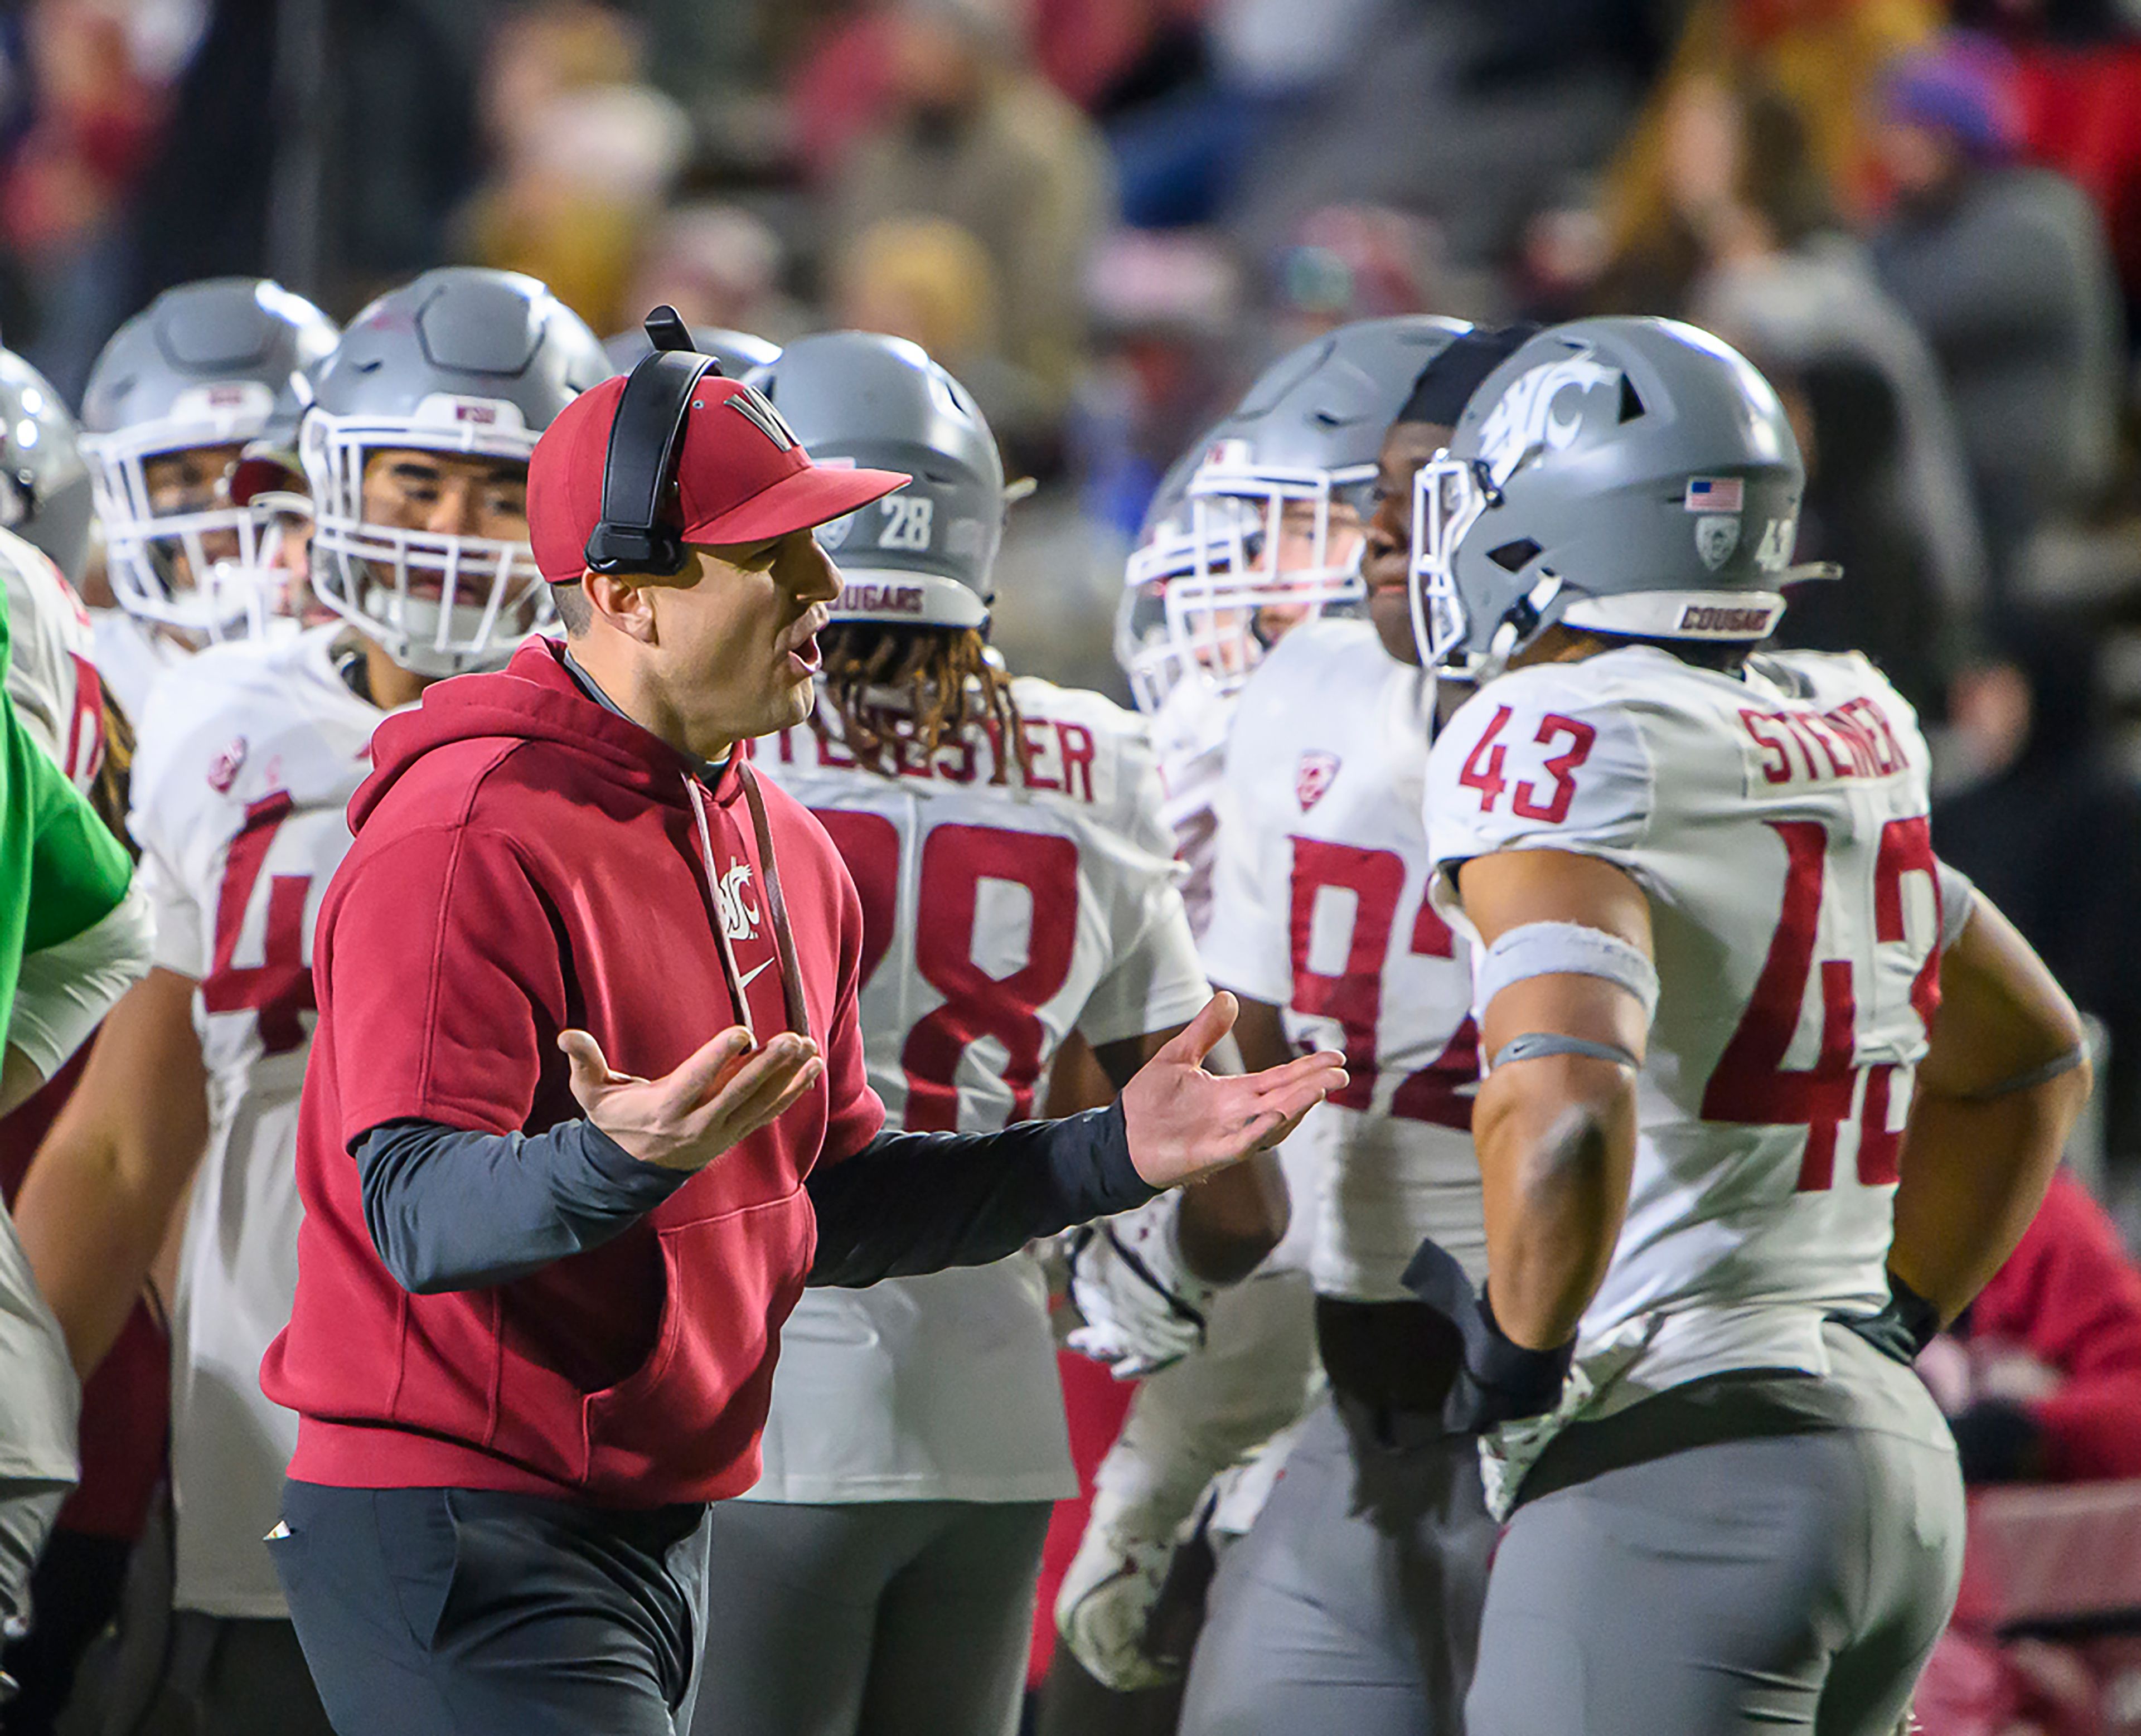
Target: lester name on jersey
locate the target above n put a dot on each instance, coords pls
(1049, 898)
(249, 754)
(1320, 907)
(1777, 821)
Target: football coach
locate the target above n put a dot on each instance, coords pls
(540, 1295)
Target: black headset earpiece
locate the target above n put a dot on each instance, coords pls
(641, 458)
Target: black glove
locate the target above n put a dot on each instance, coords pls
(1501, 1380)
(1903, 1329)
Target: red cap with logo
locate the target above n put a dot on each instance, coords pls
(741, 476)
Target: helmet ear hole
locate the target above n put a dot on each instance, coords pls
(1515, 557)
(1631, 402)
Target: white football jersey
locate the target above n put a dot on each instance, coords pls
(131, 657)
(996, 918)
(1778, 825)
(1320, 907)
(1189, 746)
(51, 676)
(249, 753)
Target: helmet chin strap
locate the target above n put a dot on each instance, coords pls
(1520, 625)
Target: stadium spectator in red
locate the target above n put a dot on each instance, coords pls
(2041, 1377)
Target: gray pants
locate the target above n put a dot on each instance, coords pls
(1796, 1582)
(891, 1618)
(1353, 1603)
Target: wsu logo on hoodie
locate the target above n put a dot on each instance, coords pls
(739, 920)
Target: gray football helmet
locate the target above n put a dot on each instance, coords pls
(922, 557)
(44, 491)
(1308, 431)
(1631, 476)
(200, 366)
(738, 353)
(466, 361)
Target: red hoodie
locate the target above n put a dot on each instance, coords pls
(526, 861)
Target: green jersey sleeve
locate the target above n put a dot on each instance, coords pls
(60, 871)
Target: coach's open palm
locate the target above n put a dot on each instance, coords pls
(1183, 1121)
(714, 1098)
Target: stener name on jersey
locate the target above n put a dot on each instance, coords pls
(1800, 745)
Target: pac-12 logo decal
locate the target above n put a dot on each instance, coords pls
(1312, 777)
(1717, 536)
(739, 920)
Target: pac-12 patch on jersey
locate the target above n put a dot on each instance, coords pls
(1312, 777)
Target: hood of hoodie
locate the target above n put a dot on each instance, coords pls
(533, 698)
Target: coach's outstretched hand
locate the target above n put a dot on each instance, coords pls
(715, 1098)
(1183, 1121)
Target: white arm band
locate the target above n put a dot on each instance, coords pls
(65, 991)
(1558, 949)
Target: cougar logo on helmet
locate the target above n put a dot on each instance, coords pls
(1531, 414)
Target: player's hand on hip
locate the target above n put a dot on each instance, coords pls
(714, 1100)
(1183, 1121)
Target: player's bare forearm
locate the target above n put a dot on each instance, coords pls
(1555, 1133)
(1556, 1138)
(1228, 1222)
(1985, 1134)
(103, 1187)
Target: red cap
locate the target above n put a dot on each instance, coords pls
(741, 476)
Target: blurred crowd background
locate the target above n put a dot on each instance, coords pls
(1105, 215)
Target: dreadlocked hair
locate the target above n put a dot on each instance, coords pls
(948, 685)
(109, 795)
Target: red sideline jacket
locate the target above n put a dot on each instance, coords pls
(2071, 1295)
(527, 861)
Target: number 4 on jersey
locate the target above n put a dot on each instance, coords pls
(279, 988)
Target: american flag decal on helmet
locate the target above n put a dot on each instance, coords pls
(755, 408)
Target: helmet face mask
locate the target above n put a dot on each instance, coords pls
(1272, 507)
(467, 363)
(1308, 566)
(199, 565)
(1448, 496)
(1184, 618)
(442, 603)
(186, 384)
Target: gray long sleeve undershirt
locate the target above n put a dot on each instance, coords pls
(448, 1209)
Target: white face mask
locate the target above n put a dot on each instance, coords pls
(490, 595)
(158, 563)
